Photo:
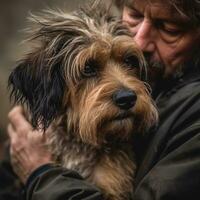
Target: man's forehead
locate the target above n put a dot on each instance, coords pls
(161, 9)
(162, 2)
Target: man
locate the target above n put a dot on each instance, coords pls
(169, 166)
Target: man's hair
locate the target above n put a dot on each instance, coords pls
(188, 8)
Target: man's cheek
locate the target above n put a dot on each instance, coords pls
(172, 57)
(180, 57)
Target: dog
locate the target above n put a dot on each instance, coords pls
(83, 83)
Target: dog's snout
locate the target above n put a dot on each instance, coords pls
(124, 98)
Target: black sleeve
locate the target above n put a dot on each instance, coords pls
(10, 185)
(171, 167)
(56, 183)
(177, 175)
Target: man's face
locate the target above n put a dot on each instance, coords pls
(164, 34)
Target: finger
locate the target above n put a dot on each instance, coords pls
(11, 133)
(44, 138)
(16, 142)
(15, 109)
(18, 168)
(18, 120)
(37, 135)
(20, 154)
(16, 115)
(10, 130)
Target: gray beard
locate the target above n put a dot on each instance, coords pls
(157, 69)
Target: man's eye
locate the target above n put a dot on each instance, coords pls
(135, 14)
(172, 32)
(132, 17)
(168, 28)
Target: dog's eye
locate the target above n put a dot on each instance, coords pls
(90, 69)
(132, 61)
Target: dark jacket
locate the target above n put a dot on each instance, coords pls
(10, 185)
(169, 165)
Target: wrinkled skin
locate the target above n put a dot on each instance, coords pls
(163, 33)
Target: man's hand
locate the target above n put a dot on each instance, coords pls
(27, 146)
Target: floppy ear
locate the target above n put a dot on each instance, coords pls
(39, 80)
(39, 87)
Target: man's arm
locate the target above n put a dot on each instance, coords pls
(57, 183)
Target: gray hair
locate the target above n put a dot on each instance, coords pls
(188, 8)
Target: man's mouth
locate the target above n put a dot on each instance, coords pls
(152, 63)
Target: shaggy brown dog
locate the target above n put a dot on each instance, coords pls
(83, 81)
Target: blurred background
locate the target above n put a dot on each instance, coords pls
(13, 19)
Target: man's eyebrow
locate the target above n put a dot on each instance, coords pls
(132, 7)
(130, 4)
(178, 21)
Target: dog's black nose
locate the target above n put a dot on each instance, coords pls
(124, 98)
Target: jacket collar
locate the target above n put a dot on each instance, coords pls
(191, 74)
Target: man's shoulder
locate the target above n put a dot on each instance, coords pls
(189, 89)
(179, 111)
(184, 92)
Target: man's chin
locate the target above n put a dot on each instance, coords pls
(159, 71)
(155, 74)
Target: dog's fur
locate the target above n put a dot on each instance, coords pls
(68, 82)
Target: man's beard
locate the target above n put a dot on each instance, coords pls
(156, 71)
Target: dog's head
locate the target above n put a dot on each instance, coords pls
(85, 66)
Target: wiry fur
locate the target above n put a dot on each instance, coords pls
(87, 132)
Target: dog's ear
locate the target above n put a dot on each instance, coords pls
(41, 89)
(39, 80)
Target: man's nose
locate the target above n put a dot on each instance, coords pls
(145, 36)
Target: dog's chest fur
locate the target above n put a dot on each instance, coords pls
(72, 154)
(111, 170)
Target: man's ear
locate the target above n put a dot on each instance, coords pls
(42, 89)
